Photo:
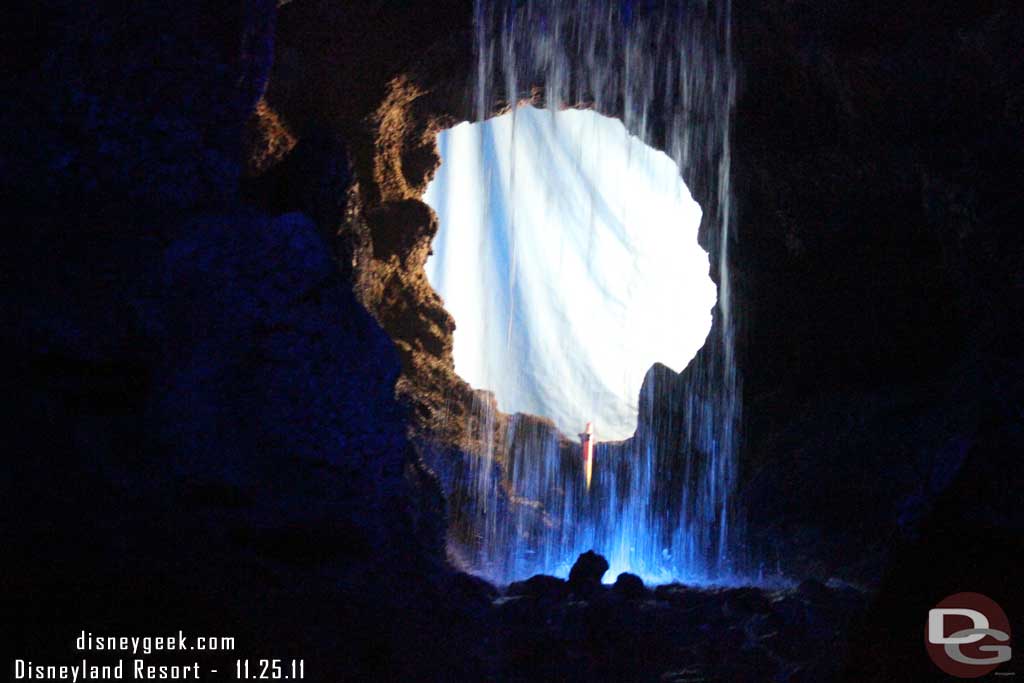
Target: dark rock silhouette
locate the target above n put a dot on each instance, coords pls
(540, 586)
(629, 586)
(731, 634)
(585, 575)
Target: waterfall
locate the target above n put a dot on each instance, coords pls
(661, 504)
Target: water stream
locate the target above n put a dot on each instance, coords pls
(660, 504)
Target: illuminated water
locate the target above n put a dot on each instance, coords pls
(661, 503)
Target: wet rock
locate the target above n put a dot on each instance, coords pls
(747, 600)
(467, 589)
(629, 586)
(679, 595)
(587, 571)
(813, 590)
(540, 586)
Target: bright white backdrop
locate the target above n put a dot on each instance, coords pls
(567, 254)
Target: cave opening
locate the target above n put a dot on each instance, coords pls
(552, 224)
(567, 255)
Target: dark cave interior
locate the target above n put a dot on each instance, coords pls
(232, 397)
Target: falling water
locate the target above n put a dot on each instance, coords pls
(661, 504)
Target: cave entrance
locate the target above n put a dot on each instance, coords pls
(567, 254)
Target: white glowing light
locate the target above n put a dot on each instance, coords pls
(568, 256)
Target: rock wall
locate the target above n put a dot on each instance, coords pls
(383, 117)
(205, 430)
(876, 266)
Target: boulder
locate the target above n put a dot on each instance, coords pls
(586, 574)
(629, 586)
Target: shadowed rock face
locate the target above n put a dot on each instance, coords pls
(132, 111)
(208, 437)
(870, 152)
(876, 274)
(218, 413)
(387, 112)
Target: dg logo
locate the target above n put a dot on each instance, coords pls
(968, 635)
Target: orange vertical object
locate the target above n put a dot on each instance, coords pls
(587, 442)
